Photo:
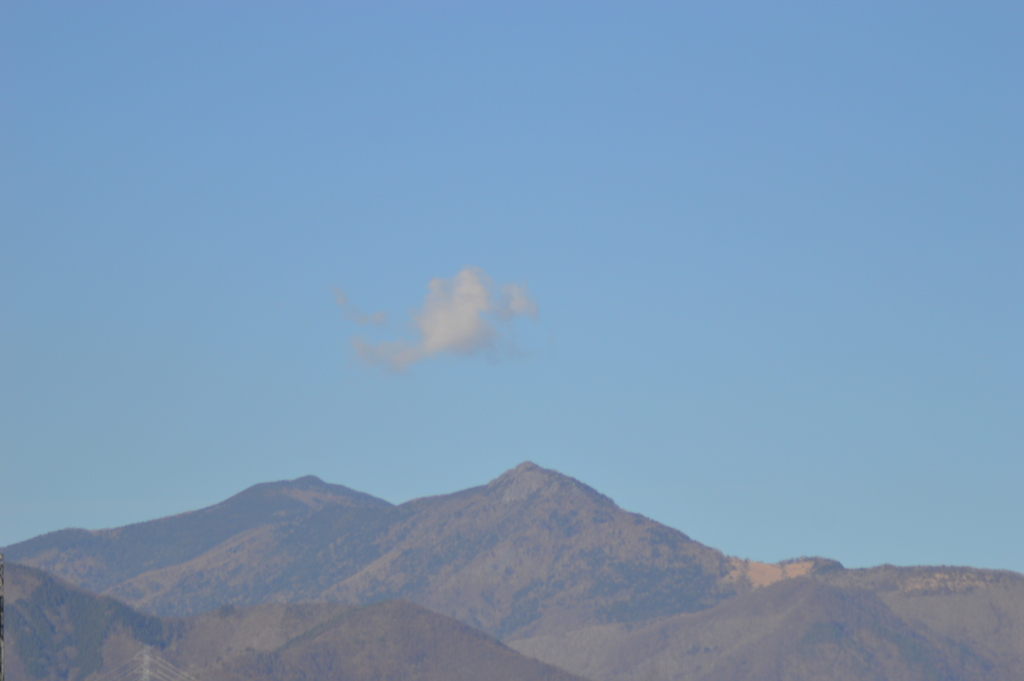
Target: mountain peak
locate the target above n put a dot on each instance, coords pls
(528, 479)
(527, 466)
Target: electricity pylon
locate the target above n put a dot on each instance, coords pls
(147, 665)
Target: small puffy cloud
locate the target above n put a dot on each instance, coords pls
(452, 316)
(458, 316)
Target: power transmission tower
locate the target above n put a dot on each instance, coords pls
(147, 665)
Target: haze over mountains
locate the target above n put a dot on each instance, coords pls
(555, 570)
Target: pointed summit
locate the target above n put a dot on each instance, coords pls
(528, 479)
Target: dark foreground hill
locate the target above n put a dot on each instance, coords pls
(559, 572)
(56, 631)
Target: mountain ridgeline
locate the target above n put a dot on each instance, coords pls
(532, 549)
(534, 558)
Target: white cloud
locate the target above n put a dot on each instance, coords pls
(452, 316)
(457, 316)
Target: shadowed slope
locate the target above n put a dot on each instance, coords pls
(391, 640)
(56, 631)
(60, 632)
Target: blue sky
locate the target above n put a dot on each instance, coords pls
(775, 255)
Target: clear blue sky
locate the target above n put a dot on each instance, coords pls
(776, 253)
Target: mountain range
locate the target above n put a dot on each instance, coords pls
(554, 570)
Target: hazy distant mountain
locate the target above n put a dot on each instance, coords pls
(58, 632)
(560, 573)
